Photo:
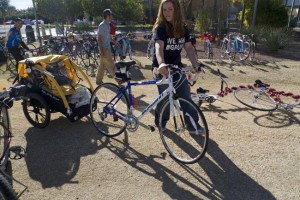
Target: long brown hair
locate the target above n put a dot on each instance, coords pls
(176, 27)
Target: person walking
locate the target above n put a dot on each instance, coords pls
(14, 42)
(171, 35)
(104, 38)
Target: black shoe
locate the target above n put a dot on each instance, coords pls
(99, 83)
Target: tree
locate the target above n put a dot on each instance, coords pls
(95, 7)
(4, 7)
(55, 10)
(128, 10)
(74, 9)
(268, 12)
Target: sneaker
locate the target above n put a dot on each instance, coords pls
(119, 82)
(198, 132)
(99, 82)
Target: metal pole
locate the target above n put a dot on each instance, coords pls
(254, 14)
(37, 23)
(291, 13)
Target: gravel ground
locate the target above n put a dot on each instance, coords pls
(251, 154)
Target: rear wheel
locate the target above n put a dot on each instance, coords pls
(252, 51)
(184, 144)
(255, 98)
(106, 115)
(244, 54)
(36, 110)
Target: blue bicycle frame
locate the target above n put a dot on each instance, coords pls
(237, 41)
(109, 108)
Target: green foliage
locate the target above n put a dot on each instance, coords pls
(97, 20)
(81, 27)
(191, 25)
(203, 21)
(274, 38)
(268, 12)
(127, 10)
(4, 6)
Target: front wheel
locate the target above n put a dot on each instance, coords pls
(185, 135)
(36, 110)
(255, 98)
(4, 129)
(107, 111)
(6, 190)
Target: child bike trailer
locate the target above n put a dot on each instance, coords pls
(54, 84)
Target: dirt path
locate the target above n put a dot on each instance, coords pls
(251, 155)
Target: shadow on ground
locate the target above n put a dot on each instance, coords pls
(226, 180)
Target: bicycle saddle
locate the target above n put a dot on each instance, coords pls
(259, 83)
(127, 64)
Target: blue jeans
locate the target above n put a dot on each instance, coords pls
(183, 91)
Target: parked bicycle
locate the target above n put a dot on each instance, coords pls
(208, 50)
(250, 39)
(234, 43)
(125, 48)
(150, 47)
(6, 151)
(261, 97)
(114, 114)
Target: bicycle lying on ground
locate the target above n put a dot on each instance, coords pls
(261, 97)
(6, 101)
(114, 114)
(202, 95)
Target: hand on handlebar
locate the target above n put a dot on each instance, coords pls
(163, 70)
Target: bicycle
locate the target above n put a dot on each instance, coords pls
(6, 101)
(201, 96)
(114, 113)
(207, 38)
(235, 43)
(252, 46)
(150, 47)
(261, 97)
(125, 48)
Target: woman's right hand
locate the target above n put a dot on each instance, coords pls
(163, 70)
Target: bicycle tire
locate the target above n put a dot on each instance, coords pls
(181, 145)
(4, 131)
(223, 49)
(255, 98)
(252, 51)
(108, 124)
(36, 110)
(91, 70)
(6, 190)
(244, 54)
(211, 54)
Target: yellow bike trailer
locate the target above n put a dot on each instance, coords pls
(54, 84)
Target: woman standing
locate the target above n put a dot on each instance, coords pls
(171, 36)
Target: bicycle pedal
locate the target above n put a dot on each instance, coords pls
(19, 152)
(115, 117)
(152, 128)
(201, 90)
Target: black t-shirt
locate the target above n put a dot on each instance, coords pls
(173, 46)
